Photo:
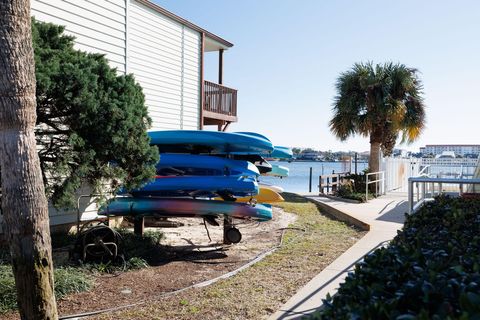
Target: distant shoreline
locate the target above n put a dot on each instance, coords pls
(300, 160)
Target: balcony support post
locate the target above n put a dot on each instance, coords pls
(220, 66)
(202, 82)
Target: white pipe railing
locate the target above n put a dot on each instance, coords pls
(429, 189)
(376, 180)
(425, 171)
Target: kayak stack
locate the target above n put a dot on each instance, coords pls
(206, 174)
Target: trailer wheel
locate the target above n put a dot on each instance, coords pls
(233, 235)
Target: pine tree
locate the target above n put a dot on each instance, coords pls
(92, 122)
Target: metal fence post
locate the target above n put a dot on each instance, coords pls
(384, 183)
(310, 181)
(366, 187)
(410, 196)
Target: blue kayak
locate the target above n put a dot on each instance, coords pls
(278, 152)
(253, 134)
(209, 142)
(197, 186)
(168, 207)
(281, 153)
(197, 165)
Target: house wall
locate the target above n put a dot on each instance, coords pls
(163, 55)
(98, 26)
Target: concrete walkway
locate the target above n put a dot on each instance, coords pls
(383, 216)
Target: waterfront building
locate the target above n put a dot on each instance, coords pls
(459, 149)
(309, 155)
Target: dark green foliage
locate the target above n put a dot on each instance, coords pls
(354, 188)
(358, 182)
(431, 270)
(379, 101)
(91, 122)
(346, 191)
(140, 246)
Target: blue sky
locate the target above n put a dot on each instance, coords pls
(287, 55)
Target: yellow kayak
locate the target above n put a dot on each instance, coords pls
(264, 196)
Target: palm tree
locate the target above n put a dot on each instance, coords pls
(379, 102)
(24, 204)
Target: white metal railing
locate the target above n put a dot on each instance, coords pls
(378, 179)
(425, 171)
(430, 187)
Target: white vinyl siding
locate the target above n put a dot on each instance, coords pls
(164, 56)
(98, 26)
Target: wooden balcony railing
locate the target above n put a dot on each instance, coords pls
(220, 102)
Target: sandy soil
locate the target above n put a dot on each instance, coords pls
(189, 258)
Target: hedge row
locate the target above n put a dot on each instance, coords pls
(431, 270)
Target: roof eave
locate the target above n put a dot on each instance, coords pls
(185, 22)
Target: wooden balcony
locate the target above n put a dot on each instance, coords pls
(219, 104)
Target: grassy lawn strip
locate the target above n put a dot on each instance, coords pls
(67, 280)
(312, 243)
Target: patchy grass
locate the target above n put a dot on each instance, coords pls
(309, 245)
(74, 278)
(67, 280)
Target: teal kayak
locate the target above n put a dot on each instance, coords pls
(278, 171)
(168, 207)
(281, 153)
(278, 152)
(209, 142)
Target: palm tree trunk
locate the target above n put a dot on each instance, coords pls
(374, 161)
(24, 204)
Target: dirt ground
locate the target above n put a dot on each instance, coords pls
(190, 258)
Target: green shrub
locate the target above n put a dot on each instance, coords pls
(347, 191)
(431, 270)
(137, 246)
(358, 182)
(67, 280)
(136, 263)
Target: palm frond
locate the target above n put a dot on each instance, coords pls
(385, 99)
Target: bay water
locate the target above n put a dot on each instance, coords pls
(298, 179)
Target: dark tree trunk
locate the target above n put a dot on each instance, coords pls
(375, 142)
(24, 204)
(373, 162)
